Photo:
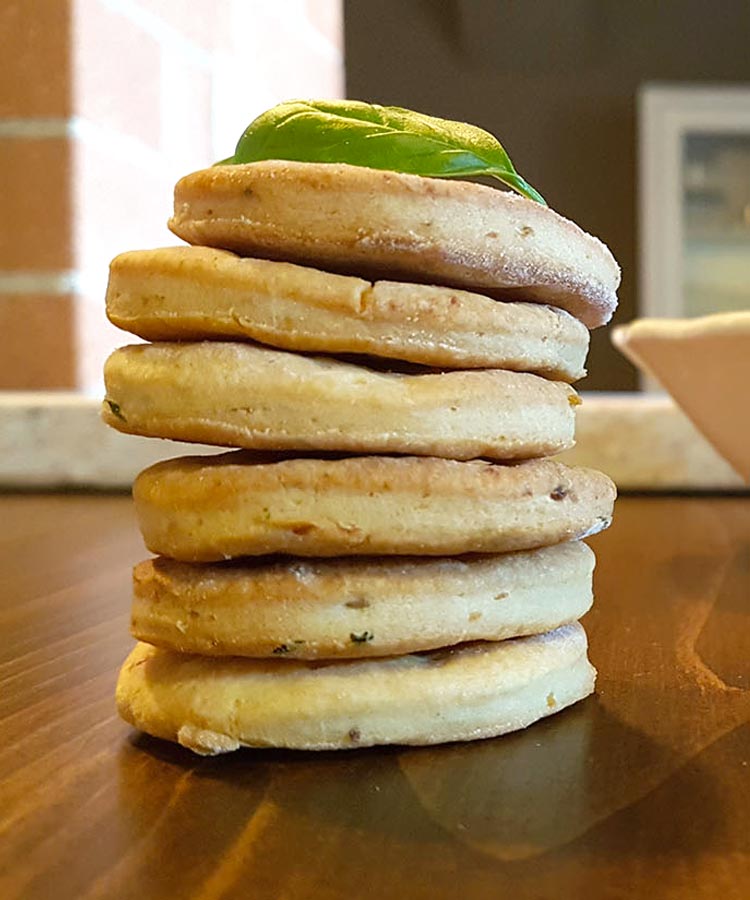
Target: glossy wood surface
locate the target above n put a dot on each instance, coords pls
(642, 791)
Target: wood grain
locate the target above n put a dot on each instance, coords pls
(642, 790)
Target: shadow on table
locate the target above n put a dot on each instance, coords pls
(513, 798)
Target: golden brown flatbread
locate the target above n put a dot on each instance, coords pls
(197, 293)
(207, 508)
(338, 608)
(241, 395)
(472, 691)
(380, 224)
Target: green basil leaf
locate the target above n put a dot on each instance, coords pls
(381, 137)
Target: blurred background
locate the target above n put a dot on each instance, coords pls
(104, 104)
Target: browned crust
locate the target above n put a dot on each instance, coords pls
(200, 509)
(241, 395)
(357, 607)
(194, 293)
(464, 693)
(374, 223)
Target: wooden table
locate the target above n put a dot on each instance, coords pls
(642, 791)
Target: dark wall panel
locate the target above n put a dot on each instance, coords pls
(556, 81)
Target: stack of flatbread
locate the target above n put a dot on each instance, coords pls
(388, 554)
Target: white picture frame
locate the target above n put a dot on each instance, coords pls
(666, 114)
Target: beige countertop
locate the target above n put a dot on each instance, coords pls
(643, 441)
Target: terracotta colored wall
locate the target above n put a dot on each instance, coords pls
(36, 250)
(103, 105)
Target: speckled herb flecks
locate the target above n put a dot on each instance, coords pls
(362, 638)
(115, 409)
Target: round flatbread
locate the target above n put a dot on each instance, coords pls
(241, 395)
(194, 293)
(403, 227)
(206, 508)
(357, 607)
(472, 691)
